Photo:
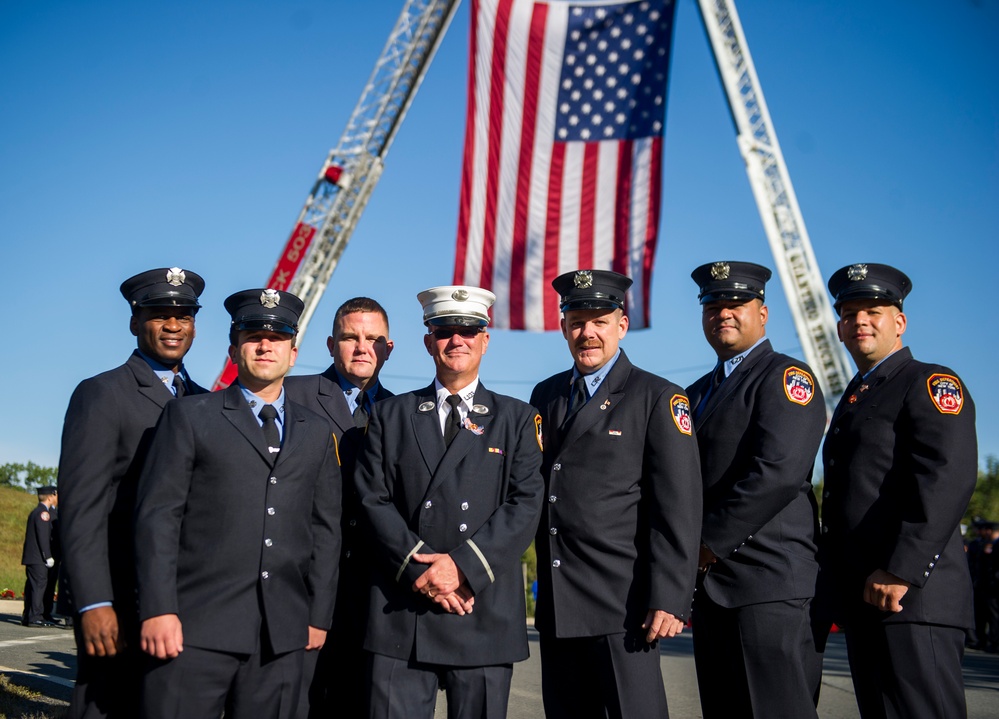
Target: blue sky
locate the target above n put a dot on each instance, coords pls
(140, 135)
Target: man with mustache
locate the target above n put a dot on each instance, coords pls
(617, 543)
(109, 427)
(759, 417)
(901, 463)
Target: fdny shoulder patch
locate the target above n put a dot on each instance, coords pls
(946, 393)
(680, 407)
(798, 385)
(537, 432)
(45, 516)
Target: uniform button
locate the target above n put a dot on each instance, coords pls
(926, 574)
(932, 564)
(832, 462)
(264, 575)
(936, 556)
(464, 506)
(552, 499)
(268, 542)
(748, 538)
(557, 466)
(353, 523)
(553, 530)
(556, 563)
(836, 431)
(270, 510)
(428, 504)
(273, 480)
(825, 530)
(462, 527)
(825, 495)
(347, 554)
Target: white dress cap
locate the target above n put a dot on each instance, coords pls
(456, 305)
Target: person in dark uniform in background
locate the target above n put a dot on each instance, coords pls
(237, 518)
(759, 418)
(989, 580)
(359, 346)
(450, 487)
(901, 462)
(617, 543)
(109, 425)
(979, 565)
(39, 560)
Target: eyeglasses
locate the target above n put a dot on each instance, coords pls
(446, 333)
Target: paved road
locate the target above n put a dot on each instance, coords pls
(45, 659)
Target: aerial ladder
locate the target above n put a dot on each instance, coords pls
(351, 170)
(776, 201)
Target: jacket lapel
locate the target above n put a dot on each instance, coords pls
(427, 428)
(607, 397)
(741, 374)
(331, 399)
(866, 389)
(148, 383)
(238, 412)
(466, 439)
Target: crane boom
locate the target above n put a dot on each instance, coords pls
(776, 201)
(352, 169)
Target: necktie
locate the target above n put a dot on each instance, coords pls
(717, 377)
(453, 422)
(269, 415)
(578, 398)
(361, 410)
(178, 385)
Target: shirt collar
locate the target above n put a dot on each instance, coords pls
(871, 370)
(466, 393)
(164, 373)
(351, 391)
(595, 379)
(732, 362)
(256, 404)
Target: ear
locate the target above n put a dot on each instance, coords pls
(764, 314)
(330, 344)
(623, 327)
(900, 323)
(561, 324)
(428, 340)
(232, 353)
(485, 342)
(293, 356)
(134, 325)
(839, 329)
(389, 345)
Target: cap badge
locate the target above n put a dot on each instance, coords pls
(176, 276)
(459, 295)
(720, 271)
(856, 273)
(270, 299)
(583, 279)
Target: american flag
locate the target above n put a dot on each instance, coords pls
(563, 150)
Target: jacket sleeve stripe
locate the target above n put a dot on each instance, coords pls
(405, 562)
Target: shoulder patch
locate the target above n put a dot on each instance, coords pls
(680, 407)
(537, 432)
(45, 516)
(946, 393)
(798, 385)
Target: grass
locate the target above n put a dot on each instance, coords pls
(17, 702)
(15, 506)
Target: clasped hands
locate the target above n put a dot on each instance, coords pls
(444, 584)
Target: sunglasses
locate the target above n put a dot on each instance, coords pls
(446, 333)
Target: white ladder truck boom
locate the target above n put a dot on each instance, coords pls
(351, 170)
(776, 201)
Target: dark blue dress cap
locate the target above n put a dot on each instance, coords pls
(264, 309)
(731, 281)
(591, 290)
(165, 287)
(869, 281)
(47, 491)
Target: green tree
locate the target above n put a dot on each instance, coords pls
(28, 476)
(985, 500)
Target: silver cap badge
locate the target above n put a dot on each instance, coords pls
(270, 298)
(583, 279)
(856, 273)
(459, 295)
(720, 271)
(175, 276)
